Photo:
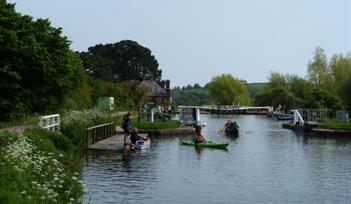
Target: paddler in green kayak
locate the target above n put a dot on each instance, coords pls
(198, 137)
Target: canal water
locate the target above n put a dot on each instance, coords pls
(266, 164)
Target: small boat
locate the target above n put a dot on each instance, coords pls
(206, 144)
(285, 117)
(141, 144)
(233, 131)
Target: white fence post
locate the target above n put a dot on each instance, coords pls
(298, 118)
(50, 122)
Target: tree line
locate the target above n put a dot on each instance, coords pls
(40, 73)
(327, 86)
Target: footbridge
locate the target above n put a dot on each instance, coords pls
(231, 109)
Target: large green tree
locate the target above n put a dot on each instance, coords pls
(319, 72)
(122, 61)
(227, 90)
(279, 91)
(346, 90)
(341, 71)
(37, 68)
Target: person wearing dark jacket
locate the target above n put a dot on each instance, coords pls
(135, 137)
(126, 126)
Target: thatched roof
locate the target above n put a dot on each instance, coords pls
(152, 88)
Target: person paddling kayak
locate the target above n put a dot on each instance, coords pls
(198, 137)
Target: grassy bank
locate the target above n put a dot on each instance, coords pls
(169, 124)
(38, 167)
(22, 121)
(145, 124)
(334, 124)
(42, 167)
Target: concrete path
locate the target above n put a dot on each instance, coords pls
(17, 129)
(112, 143)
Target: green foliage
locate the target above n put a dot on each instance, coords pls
(174, 106)
(157, 124)
(32, 170)
(282, 90)
(341, 71)
(75, 123)
(79, 98)
(334, 124)
(50, 140)
(321, 99)
(345, 92)
(37, 68)
(122, 61)
(102, 88)
(33, 120)
(193, 96)
(254, 89)
(226, 89)
(189, 95)
(144, 124)
(318, 71)
(134, 91)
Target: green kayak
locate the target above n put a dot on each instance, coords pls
(206, 144)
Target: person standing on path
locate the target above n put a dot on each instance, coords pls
(126, 126)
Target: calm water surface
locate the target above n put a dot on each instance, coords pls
(266, 164)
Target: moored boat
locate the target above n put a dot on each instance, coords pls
(285, 117)
(141, 144)
(206, 144)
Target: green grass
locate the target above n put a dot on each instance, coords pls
(334, 124)
(24, 121)
(144, 124)
(157, 124)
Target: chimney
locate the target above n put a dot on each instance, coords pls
(162, 84)
(167, 84)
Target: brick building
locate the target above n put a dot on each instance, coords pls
(158, 94)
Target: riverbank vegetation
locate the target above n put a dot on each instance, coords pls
(20, 121)
(40, 75)
(75, 123)
(38, 167)
(147, 124)
(198, 95)
(159, 124)
(327, 85)
(227, 90)
(336, 125)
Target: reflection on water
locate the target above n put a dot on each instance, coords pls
(266, 164)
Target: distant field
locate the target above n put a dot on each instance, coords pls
(200, 96)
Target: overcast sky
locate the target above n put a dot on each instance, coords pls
(194, 40)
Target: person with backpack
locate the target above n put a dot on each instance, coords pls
(126, 126)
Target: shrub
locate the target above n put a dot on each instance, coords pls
(74, 123)
(51, 140)
(32, 170)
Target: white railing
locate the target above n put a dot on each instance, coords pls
(298, 118)
(50, 122)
